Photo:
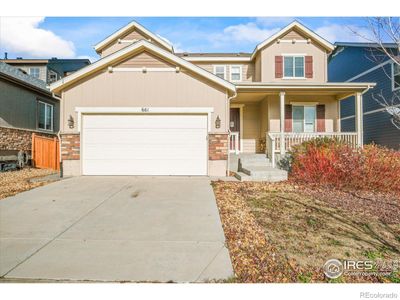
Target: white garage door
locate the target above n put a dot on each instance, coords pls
(144, 145)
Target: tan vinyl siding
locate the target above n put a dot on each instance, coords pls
(307, 49)
(151, 89)
(293, 35)
(145, 59)
(133, 35)
(257, 71)
(251, 128)
(247, 69)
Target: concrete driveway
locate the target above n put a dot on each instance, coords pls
(114, 229)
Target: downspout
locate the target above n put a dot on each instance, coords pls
(229, 131)
(59, 139)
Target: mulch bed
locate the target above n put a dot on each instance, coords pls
(14, 182)
(255, 259)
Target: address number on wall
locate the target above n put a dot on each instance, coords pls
(145, 109)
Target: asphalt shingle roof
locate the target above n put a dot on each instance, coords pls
(19, 75)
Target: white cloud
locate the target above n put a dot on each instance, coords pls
(343, 33)
(249, 32)
(23, 36)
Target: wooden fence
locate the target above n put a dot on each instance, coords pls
(45, 152)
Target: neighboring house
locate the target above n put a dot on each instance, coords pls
(48, 70)
(143, 109)
(357, 62)
(26, 107)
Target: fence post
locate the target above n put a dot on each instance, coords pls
(55, 153)
(33, 150)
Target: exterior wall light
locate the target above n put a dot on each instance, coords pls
(71, 122)
(217, 122)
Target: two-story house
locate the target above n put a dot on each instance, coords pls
(143, 109)
(47, 70)
(368, 63)
(26, 106)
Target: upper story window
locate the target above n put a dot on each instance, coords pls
(236, 73)
(220, 71)
(45, 116)
(293, 67)
(395, 76)
(35, 72)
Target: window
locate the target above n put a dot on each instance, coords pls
(304, 118)
(236, 73)
(293, 67)
(45, 116)
(52, 76)
(395, 76)
(220, 71)
(35, 72)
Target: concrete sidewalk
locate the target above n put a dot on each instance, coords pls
(114, 229)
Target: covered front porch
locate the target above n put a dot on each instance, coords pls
(271, 118)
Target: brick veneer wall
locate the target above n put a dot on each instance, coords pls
(218, 146)
(18, 139)
(70, 146)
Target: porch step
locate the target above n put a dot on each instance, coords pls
(269, 177)
(266, 172)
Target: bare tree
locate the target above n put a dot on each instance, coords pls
(383, 34)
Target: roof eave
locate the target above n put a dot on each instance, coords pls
(136, 47)
(101, 45)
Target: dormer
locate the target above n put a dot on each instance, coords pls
(128, 35)
(294, 54)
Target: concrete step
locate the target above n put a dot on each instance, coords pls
(265, 172)
(253, 157)
(270, 178)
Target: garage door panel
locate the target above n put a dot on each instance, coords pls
(143, 121)
(142, 152)
(152, 136)
(142, 167)
(144, 145)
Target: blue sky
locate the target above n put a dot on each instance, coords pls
(32, 37)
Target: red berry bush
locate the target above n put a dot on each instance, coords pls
(328, 162)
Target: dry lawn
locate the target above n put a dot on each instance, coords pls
(285, 233)
(14, 182)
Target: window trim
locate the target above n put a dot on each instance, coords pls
(393, 85)
(215, 70)
(240, 72)
(30, 68)
(304, 120)
(52, 116)
(293, 56)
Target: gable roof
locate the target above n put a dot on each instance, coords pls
(132, 25)
(15, 74)
(127, 52)
(302, 29)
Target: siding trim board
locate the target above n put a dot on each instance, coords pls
(369, 71)
(369, 112)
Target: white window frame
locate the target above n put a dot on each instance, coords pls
(45, 116)
(215, 70)
(34, 68)
(240, 72)
(393, 85)
(293, 56)
(304, 119)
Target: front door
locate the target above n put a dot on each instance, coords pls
(234, 126)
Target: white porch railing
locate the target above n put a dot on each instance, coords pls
(273, 140)
(234, 142)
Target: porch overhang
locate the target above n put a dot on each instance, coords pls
(339, 90)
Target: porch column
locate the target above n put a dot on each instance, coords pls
(359, 119)
(282, 121)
